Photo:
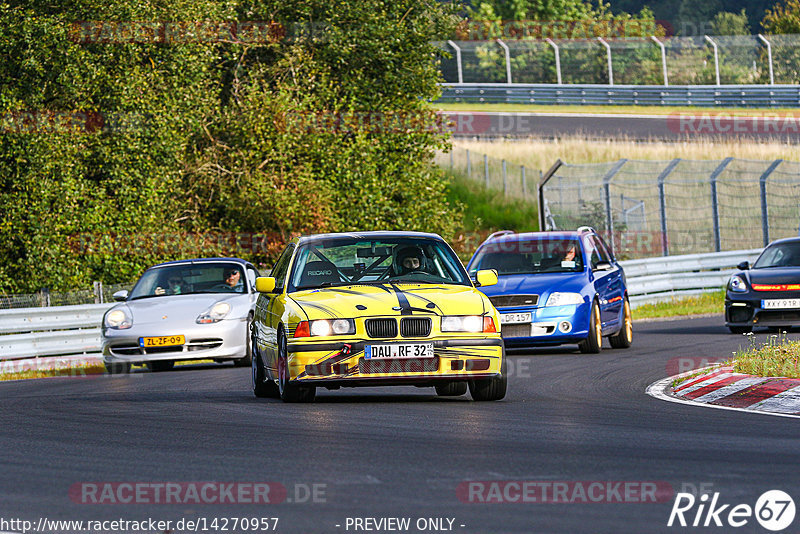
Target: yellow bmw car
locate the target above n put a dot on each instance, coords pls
(375, 309)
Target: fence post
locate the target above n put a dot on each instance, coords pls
(558, 59)
(663, 58)
(44, 297)
(543, 179)
(662, 201)
(715, 202)
(608, 54)
(505, 180)
(97, 287)
(469, 166)
(607, 193)
(716, 56)
(769, 58)
(458, 61)
(508, 59)
(764, 208)
(486, 169)
(524, 184)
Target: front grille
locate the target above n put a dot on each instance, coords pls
(515, 330)
(126, 350)
(398, 365)
(381, 328)
(415, 327)
(203, 344)
(505, 301)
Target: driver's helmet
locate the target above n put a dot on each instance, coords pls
(416, 258)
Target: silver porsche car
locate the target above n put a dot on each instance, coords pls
(182, 310)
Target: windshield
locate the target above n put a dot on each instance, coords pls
(530, 256)
(190, 279)
(780, 255)
(343, 261)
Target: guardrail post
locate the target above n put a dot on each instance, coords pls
(524, 184)
(486, 169)
(769, 58)
(662, 202)
(663, 58)
(715, 202)
(543, 179)
(716, 56)
(762, 181)
(607, 190)
(458, 61)
(505, 180)
(508, 59)
(97, 287)
(558, 59)
(608, 55)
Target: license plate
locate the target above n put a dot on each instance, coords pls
(511, 318)
(415, 350)
(161, 341)
(777, 304)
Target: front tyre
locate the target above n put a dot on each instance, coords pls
(624, 338)
(290, 392)
(248, 354)
(594, 341)
(490, 389)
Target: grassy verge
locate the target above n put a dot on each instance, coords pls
(697, 305)
(621, 110)
(74, 371)
(777, 357)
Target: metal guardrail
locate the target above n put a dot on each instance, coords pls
(625, 95)
(68, 330)
(657, 279)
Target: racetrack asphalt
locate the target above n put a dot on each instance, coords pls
(401, 452)
(677, 127)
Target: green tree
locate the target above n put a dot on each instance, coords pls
(784, 17)
(725, 23)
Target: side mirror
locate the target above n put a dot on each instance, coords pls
(265, 284)
(603, 266)
(121, 295)
(745, 265)
(486, 277)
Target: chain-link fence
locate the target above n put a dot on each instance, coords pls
(516, 181)
(97, 294)
(653, 208)
(697, 60)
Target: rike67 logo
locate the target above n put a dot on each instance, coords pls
(774, 510)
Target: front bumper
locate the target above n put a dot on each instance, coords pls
(342, 363)
(226, 339)
(548, 325)
(745, 309)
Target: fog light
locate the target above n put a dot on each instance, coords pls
(565, 326)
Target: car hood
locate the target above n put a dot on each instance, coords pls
(391, 299)
(774, 275)
(183, 307)
(535, 284)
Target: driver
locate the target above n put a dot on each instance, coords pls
(410, 259)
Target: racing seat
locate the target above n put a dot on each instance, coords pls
(316, 273)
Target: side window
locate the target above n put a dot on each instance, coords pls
(605, 248)
(252, 274)
(602, 253)
(281, 267)
(591, 251)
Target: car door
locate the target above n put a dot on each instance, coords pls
(269, 310)
(613, 290)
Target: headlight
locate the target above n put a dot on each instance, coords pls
(562, 299)
(737, 284)
(215, 313)
(118, 319)
(333, 327)
(462, 323)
